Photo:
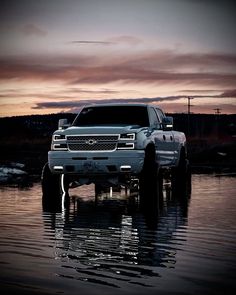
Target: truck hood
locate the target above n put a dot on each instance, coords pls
(101, 130)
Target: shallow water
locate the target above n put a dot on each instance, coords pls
(111, 247)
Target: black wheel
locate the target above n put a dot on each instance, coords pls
(102, 188)
(98, 189)
(54, 189)
(149, 180)
(181, 177)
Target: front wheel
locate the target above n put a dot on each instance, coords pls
(181, 177)
(54, 189)
(149, 180)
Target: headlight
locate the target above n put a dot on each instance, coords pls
(125, 146)
(59, 147)
(127, 136)
(59, 142)
(56, 137)
(125, 141)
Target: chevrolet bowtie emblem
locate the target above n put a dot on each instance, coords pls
(91, 141)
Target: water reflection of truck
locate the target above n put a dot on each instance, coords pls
(113, 241)
(115, 144)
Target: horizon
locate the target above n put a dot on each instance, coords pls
(76, 113)
(57, 56)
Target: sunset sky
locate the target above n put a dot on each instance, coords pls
(58, 55)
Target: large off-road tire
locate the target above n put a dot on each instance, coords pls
(149, 180)
(181, 177)
(98, 189)
(101, 188)
(54, 189)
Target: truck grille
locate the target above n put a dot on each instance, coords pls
(92, 142)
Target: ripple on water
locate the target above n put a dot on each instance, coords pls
(114, 246)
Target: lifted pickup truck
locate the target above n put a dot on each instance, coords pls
(115, 144)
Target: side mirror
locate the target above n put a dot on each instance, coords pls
(63, 124)
(167, 123)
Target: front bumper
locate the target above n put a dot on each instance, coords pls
(96, 163)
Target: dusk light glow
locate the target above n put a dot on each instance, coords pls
(58, 55)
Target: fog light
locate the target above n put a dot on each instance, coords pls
(125, 168)
(58, 168)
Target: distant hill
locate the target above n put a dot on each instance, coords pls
(31, 126)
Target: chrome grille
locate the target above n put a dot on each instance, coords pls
(92, 142)
(95, 147)
(94, 137)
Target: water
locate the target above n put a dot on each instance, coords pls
(113, 248)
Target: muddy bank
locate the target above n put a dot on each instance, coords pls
(13, 173)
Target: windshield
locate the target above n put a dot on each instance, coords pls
(113, 115)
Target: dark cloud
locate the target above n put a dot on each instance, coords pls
(164, 102)
(229, 93)
(75, 104)
(198, 91)
(224, 94)
(119, 40)
(91, 42)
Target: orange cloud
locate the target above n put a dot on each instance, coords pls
(70, 78)
(161, 67)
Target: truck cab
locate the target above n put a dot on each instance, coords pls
(113, 144)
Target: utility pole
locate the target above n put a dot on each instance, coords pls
(189, 112)
(189, 105)
(217, 113)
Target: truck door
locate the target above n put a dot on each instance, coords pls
(164, 142)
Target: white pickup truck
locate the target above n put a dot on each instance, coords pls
(115, 144)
